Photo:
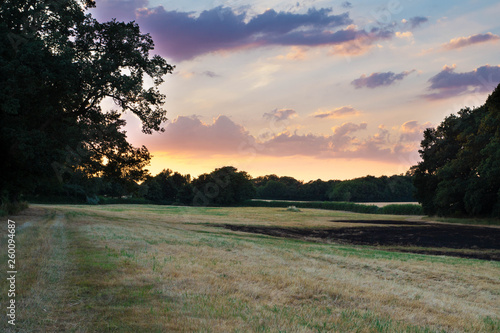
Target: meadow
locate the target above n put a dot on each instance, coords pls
(146, 268)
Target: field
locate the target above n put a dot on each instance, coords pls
(140, 268)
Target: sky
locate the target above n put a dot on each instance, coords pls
(310, 89)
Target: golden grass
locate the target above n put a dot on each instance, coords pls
(152, 268)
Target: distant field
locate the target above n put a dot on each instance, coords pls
(378, 204)
(383, 204)
(145, 268)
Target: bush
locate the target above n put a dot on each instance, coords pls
(114, 201)
(408, 209)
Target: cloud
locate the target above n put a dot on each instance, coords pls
(346, 4)
(379, 79)
(210, 74)
(296, 53)
(320, 146)
(406, 34)
(191, 135)
(182, 35)
(412, 131)
(282, 114)
(416, 21)
(343, 111)
(448, 83)
(466, 41)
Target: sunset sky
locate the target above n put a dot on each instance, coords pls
(310, 89)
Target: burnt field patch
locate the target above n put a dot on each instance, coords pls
(477, 242)
(383, 222)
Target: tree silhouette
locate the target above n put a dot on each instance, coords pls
(57, 65)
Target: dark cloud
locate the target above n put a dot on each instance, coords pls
(346, 4)
(474, 39)
(416, 21)
(448, 83)
(379, 79)
(278, 115)
(182, 35)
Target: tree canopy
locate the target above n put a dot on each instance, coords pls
(57, 64)
(460, 169)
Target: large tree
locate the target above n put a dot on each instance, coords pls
(460, 169)
(57, 64)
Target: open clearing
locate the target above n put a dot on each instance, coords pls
(135, 268)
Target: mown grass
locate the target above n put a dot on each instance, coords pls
(465, 220)
(165, 269)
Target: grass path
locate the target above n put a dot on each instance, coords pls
(165, 269)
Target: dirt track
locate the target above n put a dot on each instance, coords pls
(441, 239)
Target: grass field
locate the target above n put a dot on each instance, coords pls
(137, 268)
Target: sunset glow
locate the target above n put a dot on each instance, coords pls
(312, 89)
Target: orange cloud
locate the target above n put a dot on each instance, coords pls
(189, 138)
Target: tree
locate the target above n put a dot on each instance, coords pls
(165, 186)
(222, 187)
(56, 67)
(460, 170)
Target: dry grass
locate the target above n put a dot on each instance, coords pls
(151, 268)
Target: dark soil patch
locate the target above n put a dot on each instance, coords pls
(476, 242)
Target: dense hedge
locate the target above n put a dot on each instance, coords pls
(403, 209)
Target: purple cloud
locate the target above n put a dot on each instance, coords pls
(379, 79)
(278, 115)
(474, 39)
(183, 36)
(447, 83)
(416, 21)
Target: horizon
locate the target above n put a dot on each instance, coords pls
(338, 90)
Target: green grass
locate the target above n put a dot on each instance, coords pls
(465, 220)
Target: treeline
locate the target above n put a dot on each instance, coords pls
(460, 170)
(223, 187)
(397, 188)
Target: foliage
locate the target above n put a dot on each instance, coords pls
(222, 187)
(459, 174)
(166, 187)
(57, 65)
(401, 209)
(397, 188)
